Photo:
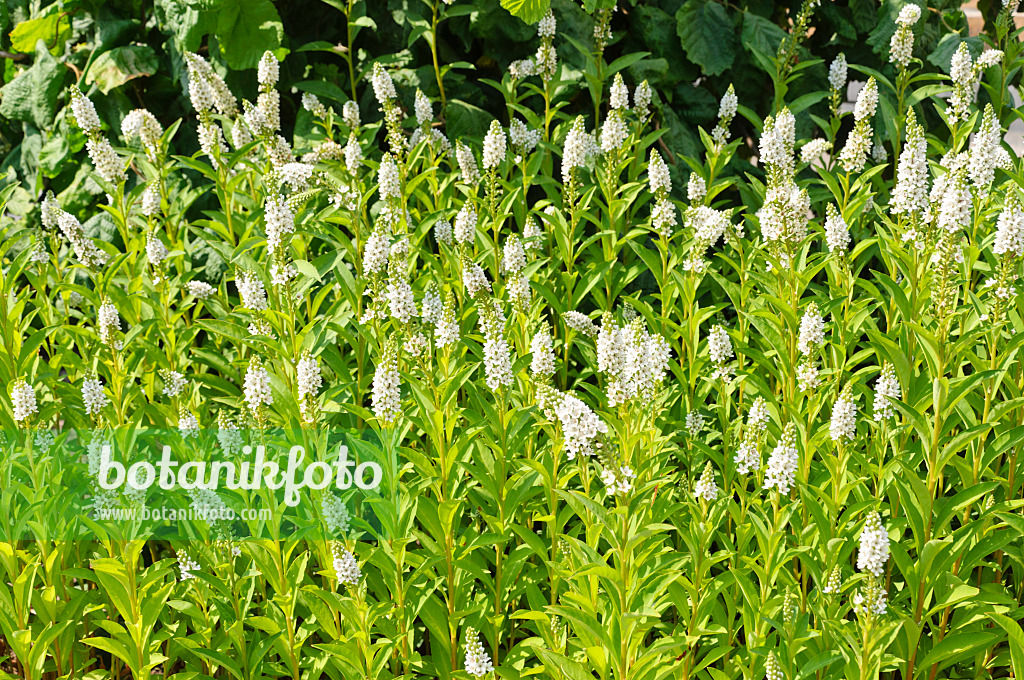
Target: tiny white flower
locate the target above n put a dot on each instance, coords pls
(346, 569)
(387, 386)
(494, 146)
(543, 362)
(874, 546)
(694, 423)
(844, 416)
(383, 88)
(93, 396)
(174, 382)
(350, 114)
(268, 70)
(257, 386)
(200, 289)
(23, 400)
(705, 487)
(781, 471)
(478, 662)
(812, 330)
(187, 565)
(837, 73)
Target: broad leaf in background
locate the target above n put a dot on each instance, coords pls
(32, 96)
(186, 23)
(121, 64)
(656, 33)
(950, 43)
(530, 11)
(466, 120)
(761, 35)
(707, 35)
(246, 29)
(54, 29)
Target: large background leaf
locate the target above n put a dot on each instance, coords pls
(707, 35)
(32, 96)
(246, 29)
(530, 11)
(121, 64)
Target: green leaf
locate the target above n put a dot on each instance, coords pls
(530, 11)
(955, 648)
(111, 646)
(883, 26)
(188, 24)
(121, 64)
(707, 35)
(307, 269)
(566, 667)
(942, 55)
(41, 645)
(323, 90)
(466, 120)
(806, 101)
(761, 34)
(669, 64)
(101, 226)
(113, 577)
(220, 658)
(1015, 638)
(32, 96)
(53, 154)
(54, 30)
(246, 29)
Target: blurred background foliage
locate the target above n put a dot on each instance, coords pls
(127, 54)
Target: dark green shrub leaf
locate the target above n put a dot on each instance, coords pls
(102, 227)
(32, 96)
(656, 33)
(761, 34)
(863, 13)
(942, 56)
(52, 155)
(187, 24)
(466, 120)
(706, 35)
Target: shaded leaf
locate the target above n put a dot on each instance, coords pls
(32, 96)
(121, 64)
(761, 34)
(707, 35)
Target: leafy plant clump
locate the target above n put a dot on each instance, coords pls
(747, 409)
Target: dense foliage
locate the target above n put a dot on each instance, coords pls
(679, 375)
(132, 51)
